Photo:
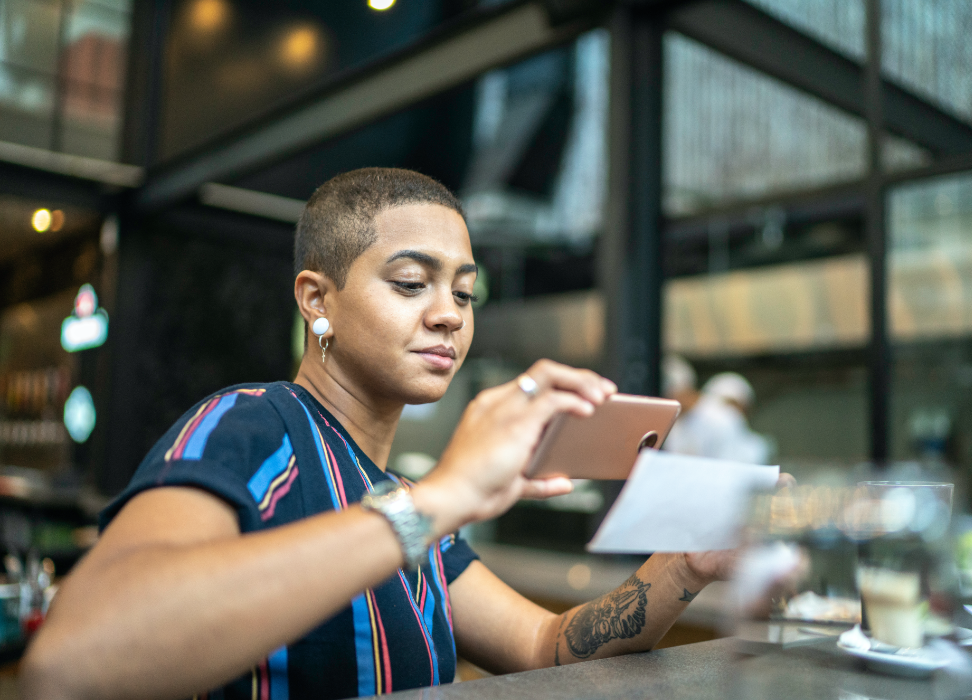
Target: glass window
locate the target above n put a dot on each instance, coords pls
(538, 167)
(926, 49)
(930, 319)
(758, 283)
(93, 77)
(732, 133)
(62, 73)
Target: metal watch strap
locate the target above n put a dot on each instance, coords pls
(412, 528)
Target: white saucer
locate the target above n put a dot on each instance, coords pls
(911, 663)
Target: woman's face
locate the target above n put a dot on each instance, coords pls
(404, 320)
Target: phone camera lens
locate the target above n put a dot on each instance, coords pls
(649, 440)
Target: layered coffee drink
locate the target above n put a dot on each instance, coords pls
(892, 603)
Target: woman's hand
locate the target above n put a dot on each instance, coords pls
(480, 474)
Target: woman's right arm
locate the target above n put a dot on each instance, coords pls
(174, 600)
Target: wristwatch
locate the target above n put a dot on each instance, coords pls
(413, 529)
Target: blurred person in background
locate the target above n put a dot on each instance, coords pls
(262, 545)
(717, 424)
(679, 381)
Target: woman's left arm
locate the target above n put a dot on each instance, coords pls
(501, 631)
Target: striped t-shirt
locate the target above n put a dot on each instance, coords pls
(277, 456)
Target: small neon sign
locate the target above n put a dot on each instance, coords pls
(79, 414)
(87, 327)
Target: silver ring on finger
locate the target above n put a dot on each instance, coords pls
(528, 385)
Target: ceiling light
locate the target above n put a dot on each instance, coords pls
(380, 5)
(299, 47)
(41, 220)
(208, 15)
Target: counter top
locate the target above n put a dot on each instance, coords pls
(708, 670)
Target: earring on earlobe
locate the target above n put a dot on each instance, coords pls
(320, 327)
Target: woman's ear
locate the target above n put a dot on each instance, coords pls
(313, 291)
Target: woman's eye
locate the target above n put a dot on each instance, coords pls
(411, 287)
(465, 297)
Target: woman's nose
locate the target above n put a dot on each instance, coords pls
(444, 312)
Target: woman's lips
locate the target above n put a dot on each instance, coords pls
(439, 357)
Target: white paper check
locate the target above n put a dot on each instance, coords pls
(674, 503)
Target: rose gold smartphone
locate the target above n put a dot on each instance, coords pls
(606, 444)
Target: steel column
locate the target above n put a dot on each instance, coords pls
(879, 352)
(630, 264)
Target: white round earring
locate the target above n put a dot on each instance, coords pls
(320, 327)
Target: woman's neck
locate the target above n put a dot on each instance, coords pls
(372, 427)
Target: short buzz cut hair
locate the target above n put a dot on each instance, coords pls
(337, 224)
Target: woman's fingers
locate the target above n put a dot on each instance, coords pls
(553, 375)
(546, 488)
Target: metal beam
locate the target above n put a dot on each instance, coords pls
(80, 167)
(753, 37)
(243, 201)
(492, 38)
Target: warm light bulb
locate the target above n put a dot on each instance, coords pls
(299, 47)
(208, 15)
(57, 220)
(41, 220)
(380, 5)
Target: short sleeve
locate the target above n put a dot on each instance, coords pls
(457, 555)
(221, 445)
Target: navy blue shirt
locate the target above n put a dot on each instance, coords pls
(277, 456)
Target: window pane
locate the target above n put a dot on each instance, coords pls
(93, 74)
(65, 69)
(930, 317)
(734, 134)
(927, 49)
(30, 31)
(759, 283)
(538, 166)
(26, 106)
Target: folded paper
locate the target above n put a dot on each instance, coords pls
(675, 503)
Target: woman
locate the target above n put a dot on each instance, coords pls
(240, 558)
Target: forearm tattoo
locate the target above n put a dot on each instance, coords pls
(688, 596)
(621, 614)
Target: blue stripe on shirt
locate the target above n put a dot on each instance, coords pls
(197, 443)
(272, 467)
(279, 683)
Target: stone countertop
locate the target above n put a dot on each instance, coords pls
(713, 670)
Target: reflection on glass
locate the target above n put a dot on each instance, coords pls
(538, 167)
